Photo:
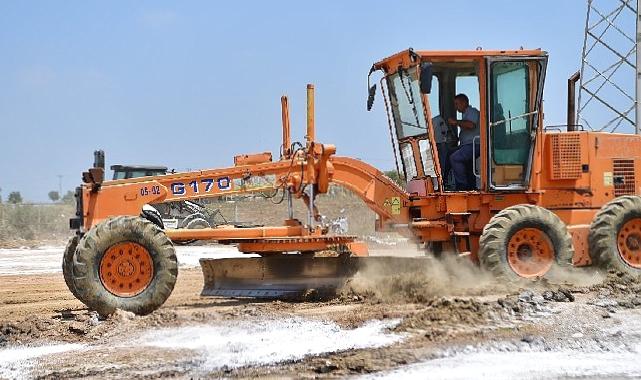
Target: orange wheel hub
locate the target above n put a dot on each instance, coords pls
(126, 269)
(629, 243)
(530, 253)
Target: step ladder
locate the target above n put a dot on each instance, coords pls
(461, 233)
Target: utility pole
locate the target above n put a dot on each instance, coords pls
(60, 185)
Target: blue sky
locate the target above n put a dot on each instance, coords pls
(190, 84)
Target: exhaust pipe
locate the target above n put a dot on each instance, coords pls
(311, 132)
(287, 140)
(572, 101)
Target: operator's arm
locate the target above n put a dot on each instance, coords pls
(470, 120)
(467, 124)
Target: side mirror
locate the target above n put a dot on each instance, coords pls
(426, 78)
(370, 97)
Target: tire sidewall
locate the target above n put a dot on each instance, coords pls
(496, 235)
(67, 263)
(100, 298)
(191, 217)
(197, 223)
(555, 239)
(618, 222)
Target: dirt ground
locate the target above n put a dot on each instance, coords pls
(402, 322)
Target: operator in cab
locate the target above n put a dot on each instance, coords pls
(462, 160)
(446, 139)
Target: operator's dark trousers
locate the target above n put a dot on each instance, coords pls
(443, 159)
(463, 165)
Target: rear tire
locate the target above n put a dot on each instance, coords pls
(67, 264)
(197, 223)
(194, 221)
(141, 257)
(615, 235)
(192, 218)
(525, 242)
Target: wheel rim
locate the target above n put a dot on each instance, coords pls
(629, 243)
(530, 253)
(126, 269)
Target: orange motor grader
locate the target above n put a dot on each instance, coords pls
(544, 198)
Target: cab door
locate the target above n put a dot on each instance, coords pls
(514, 93)
(407, 112)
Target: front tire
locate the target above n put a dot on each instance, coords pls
(615, 235)
(126, 263)
(67, 264)
(525, 242)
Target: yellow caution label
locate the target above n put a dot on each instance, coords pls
(395, 205)
(608, 179)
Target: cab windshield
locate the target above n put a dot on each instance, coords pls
(407, 112)
(407, 107)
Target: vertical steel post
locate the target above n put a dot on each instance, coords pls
(311, 134)
(287, 140)
(571, 116)
(311, 207)
(310, 137)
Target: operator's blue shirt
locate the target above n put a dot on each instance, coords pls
(467, 135)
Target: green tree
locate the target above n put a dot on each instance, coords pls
(14, 197)
(54, 196)
(68, 197)
(394, 176)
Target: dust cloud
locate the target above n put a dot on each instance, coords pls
(577, 276)
(413, 276)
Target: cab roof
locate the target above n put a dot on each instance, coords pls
(410, 56)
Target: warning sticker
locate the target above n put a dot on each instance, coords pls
(394, 204)
(608, 179)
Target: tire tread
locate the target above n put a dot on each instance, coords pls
(604, 230)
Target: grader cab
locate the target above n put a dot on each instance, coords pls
(540, 199)
(507, 88)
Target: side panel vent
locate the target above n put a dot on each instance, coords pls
(623, 177)
(566, 156)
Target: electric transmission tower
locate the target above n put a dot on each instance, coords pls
(609, 81)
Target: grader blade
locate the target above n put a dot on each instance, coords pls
(283, 276)
(295, 276)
